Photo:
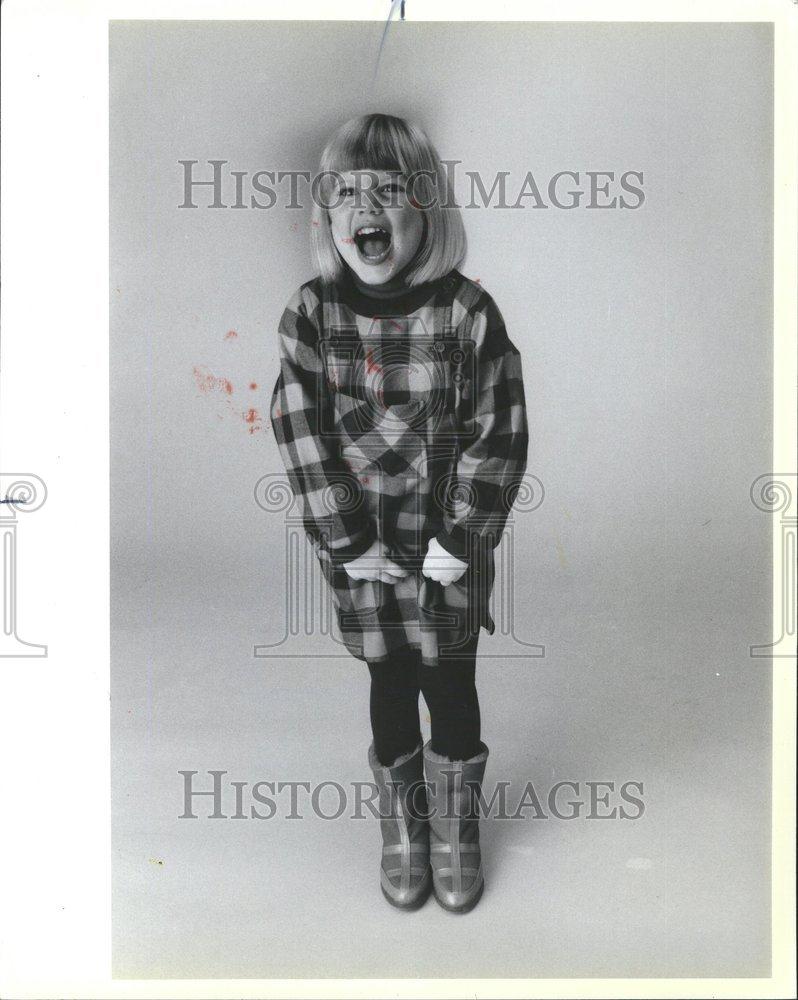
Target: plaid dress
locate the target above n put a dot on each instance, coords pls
(402, 421)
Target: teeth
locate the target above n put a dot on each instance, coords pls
(367, 230)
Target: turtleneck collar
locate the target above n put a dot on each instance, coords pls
(395, 296)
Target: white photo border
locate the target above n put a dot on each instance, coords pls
(55, 922)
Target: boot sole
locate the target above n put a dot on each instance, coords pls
(409, 907)
(464, 907)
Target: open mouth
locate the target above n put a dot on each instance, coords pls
(373, 243)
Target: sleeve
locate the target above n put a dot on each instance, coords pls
(492, 461)
(331, 499)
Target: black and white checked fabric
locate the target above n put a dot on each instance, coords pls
(405, 424)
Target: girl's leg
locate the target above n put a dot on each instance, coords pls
(450, 692)
(393, 706)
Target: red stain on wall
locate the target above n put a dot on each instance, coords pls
(208, 382)
(231, 335)
(252, 417)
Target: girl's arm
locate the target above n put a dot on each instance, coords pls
(492, 462)
(331, 499)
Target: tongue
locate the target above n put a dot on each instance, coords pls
(374, 245)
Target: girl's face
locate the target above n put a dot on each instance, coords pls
(376, 229)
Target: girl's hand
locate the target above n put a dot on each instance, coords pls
(441, 565)
(375, 565)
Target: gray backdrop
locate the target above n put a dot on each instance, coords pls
(645, 573)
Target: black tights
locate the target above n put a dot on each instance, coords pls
(451, 696)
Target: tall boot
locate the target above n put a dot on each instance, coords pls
(405, 876)
(455, 854)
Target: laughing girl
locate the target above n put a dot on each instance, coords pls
(400, 417)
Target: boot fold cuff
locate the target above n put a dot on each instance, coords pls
(375, 764)
(437, 758)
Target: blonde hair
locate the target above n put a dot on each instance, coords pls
(384, 142)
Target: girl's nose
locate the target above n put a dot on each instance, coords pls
(372, 206)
